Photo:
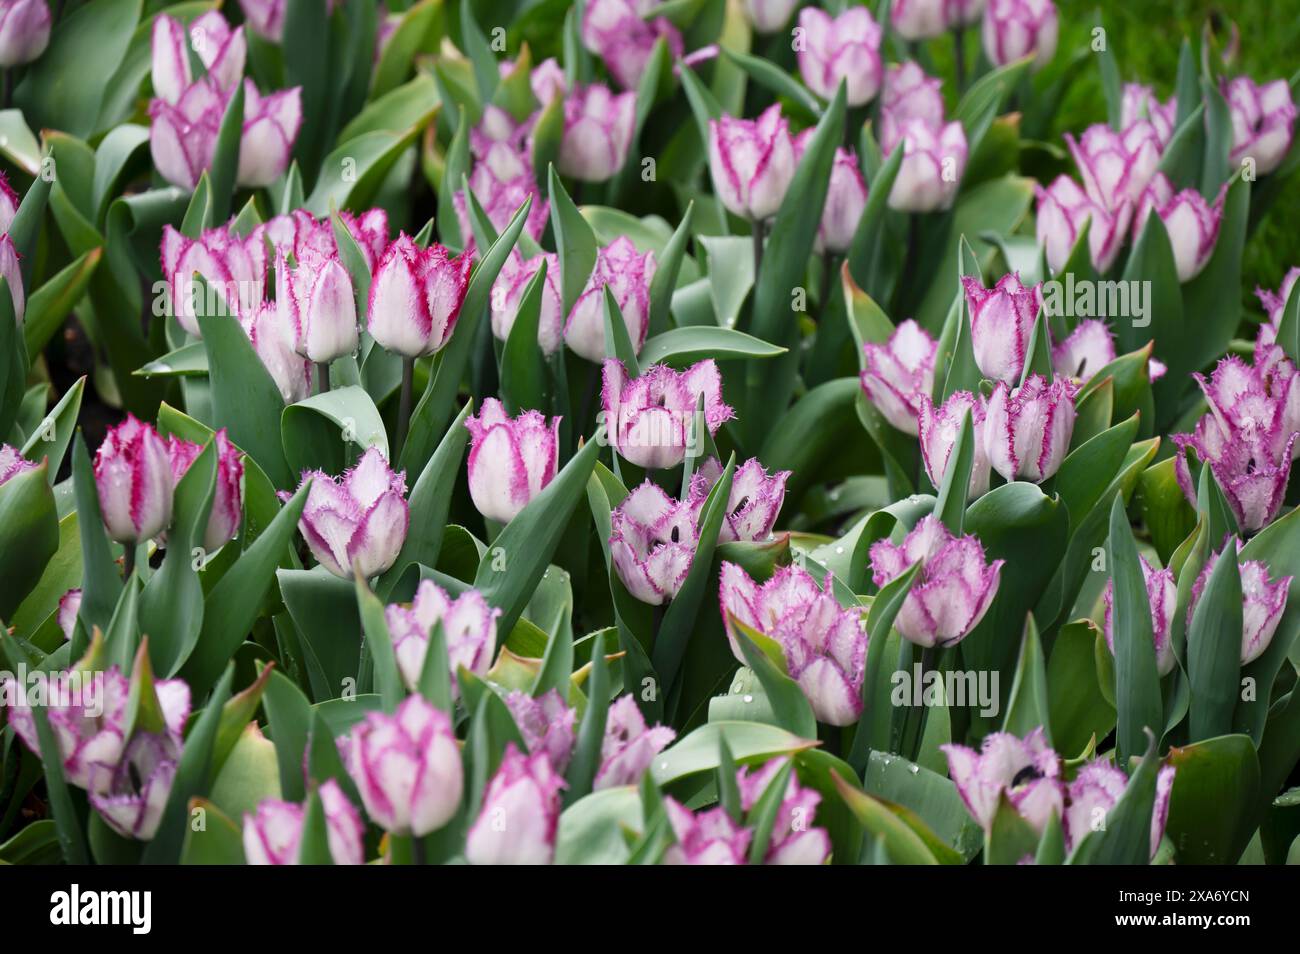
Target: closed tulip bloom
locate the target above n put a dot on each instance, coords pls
(898, 373)
(1162, 592)
(510, 460)
(271, 125)
(547, 724)
(934, 158)
(793, 841)
(598, 126)
(939, 427)
(909, 93)
(228, 498)
(520, 814)
(1016, 28)
(919, 19)
(24, 31)
(361, 518)
(1002, 320)
(547, 81)
(133, 475)
(183, 135)
(221, 50)
(769, 16)
(1192, 223)
(844, 48)
(1139, 101)
(416, 297)
(318, 303)
(846, 198)
(1263, 121)
(652, 543)
(705, 838)
(275, 341)
(629, 745)
(502, 180)
(1116, 167)
(1097, 789)
(1087, 349)
(1027, 430)
(69, 607)
(752, 163)
(233, 268)
(11, 272)
(620, 34)
(1026, 770)
(625, 272)
(1064, 209)
(753, 504)
(1262, 602)
(648, 419)
(273, 834)
(407, 767)
(953, 589)
(469, 632)
(508, 293)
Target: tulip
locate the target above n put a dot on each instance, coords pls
(370, 230)
(844, 48)
(846, 198)
(1016, 28)
(1063, 209)
(792, 842)
(271, 125)
(1192, 223)
(1262, 604)
(939, 427)
(953, 589)
(547, 724)
(24, 31)
(649, 418)
(547, 81)
(1026, 770)
(617, 32)
(1274, 302)
(752, 163)
(273, 835)
(769, 16)
(919, 19)
(934, 158)
(69, 608)
(1162, 593)
(824, 645)
(13, 463)
(221, 50)
(909, 94)
(9, 202)
(133, 803)
(233, 267)
(508, 294)
(520, 814)
(266, 17)
(1027, 430)
(598, 127)
(133, 475)
(318, 302)
(629, 745)
(705, 838)
(625, 272)
(964, 12)
(502, 180)
(360, 520)
(1002, 320)
(1263, 121)
(753, 503)
(183, 135)
(228, 497)
(275, 341)
(11, 272)
(652, 543)
(1139, 102)
(416, 296)
(469, 629)
(898, 373)
(1087, 349)
(1097, 788)
(510, 460)
(407, 767)
(1116, 167)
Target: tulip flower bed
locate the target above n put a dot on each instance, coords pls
(614, 431)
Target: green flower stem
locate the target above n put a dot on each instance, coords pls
(404, 406)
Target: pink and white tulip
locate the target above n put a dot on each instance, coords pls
(1097, 789)
(839, 49)
(508, 293)
(275, 340)
(1084, 352)
(1014, 29)
(1139, 102)
(939, 428)
(416, 297)
(1192, 223)
(1263, 601)
(629, 745)
(271, 125)
(319, 304)
(598, 127)
(897, 374)
(934, 159)
(627, 274)
(24, 31)
(1027, 429)
(1063, 211)
(520, 814)
(793, 840)
(1026, 770)
(649, 419)
(846, 198)
(221, 50)
(1162, 593)
(620, 34)
(752, 162)
(919, 19)
(652, 543)
(705, 838)
(754, 501)
(469, 630)
(228, 499)
(909, 93)
(273, 834)
(1263, 121)
(69, 608)
(13, 463)
(133, 475)
(769, 16)
(1116, 167)
(1002, 321)
(510, 459)
(547, 724)
(502, 180)
(233, 268)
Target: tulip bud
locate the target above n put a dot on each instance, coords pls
(520, 814)
(502, 180)
(510, 459)
(1192, 223)
(1139, 102)
(769, 16)
(705, 838)
(1063, 209)
(598, 127)
(846, 198)
(416, 296)
(793, 840)
(1116, 166)
(24, 31)
(547, 81)
(1162, 592)
(69, 607)
(271, 125)
(133, 475)
(221, 50)
(629, 745)
(616, 31)
(316, 300)
(1002, 320)
(1262, 604)
(233, 269)
(652, 543)
(919, 19)
(1027, 430)
(1263, 122)
(1097, 788)
(546, 723)
(934, 158)
(625, 272)
(649, 419)
(273, 835)
(844, 48)
(909, 94)
(752, 163)
(407, 767)
(1026, 770)
(939, 427)
(953, 588)
(753, 504)
(898, 373)
(274, 340)
(508, 294)
(228, 499)
(183, 136)
(469, 628)
(1087, 350)
(361, 519)
(1015, 28)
